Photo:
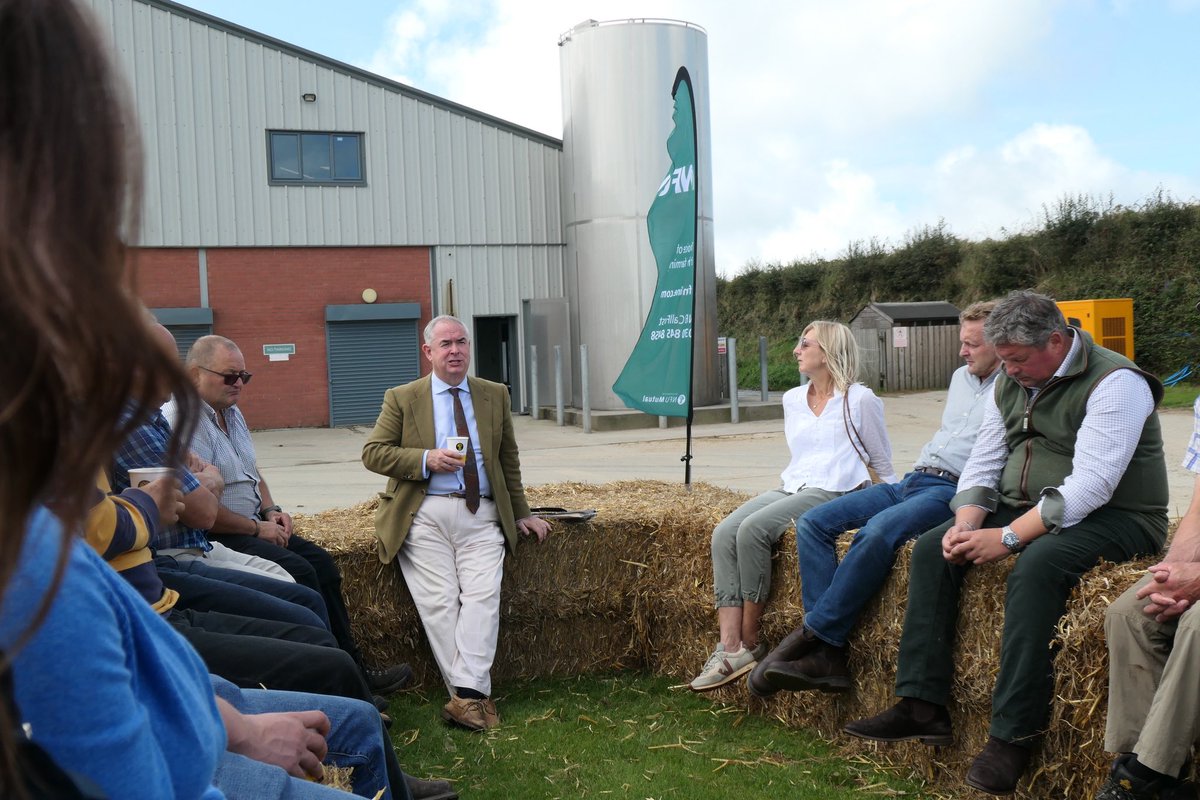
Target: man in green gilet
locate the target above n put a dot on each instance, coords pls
(1068, 469)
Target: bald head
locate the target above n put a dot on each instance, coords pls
(210, 362)
(207, 348)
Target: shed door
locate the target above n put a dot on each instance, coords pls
(186, 335)
(366, 358)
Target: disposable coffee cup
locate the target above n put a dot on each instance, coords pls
(140, 476)
(459, 445)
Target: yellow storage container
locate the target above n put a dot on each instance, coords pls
(1110, 322)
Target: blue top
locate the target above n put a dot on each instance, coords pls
(108, 688)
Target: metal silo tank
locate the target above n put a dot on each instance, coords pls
(617, 107)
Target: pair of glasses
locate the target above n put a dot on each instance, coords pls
(230, 378)
(807, 343)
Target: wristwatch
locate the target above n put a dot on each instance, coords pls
(262, 512)
(1008, 537)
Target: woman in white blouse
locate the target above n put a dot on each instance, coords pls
(835, 430)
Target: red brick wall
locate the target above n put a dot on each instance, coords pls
(167, 278)
(276, 296)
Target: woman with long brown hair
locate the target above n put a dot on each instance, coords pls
(76, 359)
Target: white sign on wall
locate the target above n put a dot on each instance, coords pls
(899, 337)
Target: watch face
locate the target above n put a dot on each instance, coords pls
(1011, 541)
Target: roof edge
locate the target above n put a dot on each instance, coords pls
(350, 70)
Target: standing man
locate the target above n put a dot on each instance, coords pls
(886, 515)
(447, 521)
(248, 519)
(1068, 469)
(1153, 641)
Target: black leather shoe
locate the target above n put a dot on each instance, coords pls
(823, 669)
(1123, 784)
(897, 724)
(389, 679)
(794, 645)
(429, 790)
(998, 767)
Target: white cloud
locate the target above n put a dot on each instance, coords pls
(808, 102)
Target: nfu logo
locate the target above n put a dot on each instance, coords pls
(682, 178)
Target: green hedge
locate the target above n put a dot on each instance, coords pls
(1084, 248)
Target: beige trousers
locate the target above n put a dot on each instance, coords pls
(221, 556)
(1153, 684)
(452, 561)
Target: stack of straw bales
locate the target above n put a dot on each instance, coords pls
(633, 589)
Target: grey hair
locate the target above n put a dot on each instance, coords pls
(201, 351)
(440, 318)
(1026, 318)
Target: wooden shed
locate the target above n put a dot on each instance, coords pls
(907, 346)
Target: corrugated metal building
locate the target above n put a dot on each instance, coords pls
(284, 188)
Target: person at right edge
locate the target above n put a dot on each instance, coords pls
(1153, 694)
(1067, 470)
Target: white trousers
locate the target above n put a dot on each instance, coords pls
(221, 556)
(452, 561)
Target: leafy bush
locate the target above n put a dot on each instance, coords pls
(1085, 248)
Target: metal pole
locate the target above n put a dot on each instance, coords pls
(558, 387)
(533, 382)
(583, 379)
(731, 356)
(762, 365)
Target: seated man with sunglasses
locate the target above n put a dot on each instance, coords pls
(248, 519)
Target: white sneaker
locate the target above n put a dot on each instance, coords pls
(722, 668)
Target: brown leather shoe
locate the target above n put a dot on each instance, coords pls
(998, 767)
(823, 669)
(490, 716)
(899, 724)
(794, 645)
(472, 714)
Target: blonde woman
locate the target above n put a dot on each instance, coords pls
(834, 430)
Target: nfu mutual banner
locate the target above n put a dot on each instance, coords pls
(657, 378)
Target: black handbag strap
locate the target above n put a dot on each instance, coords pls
(42, 777)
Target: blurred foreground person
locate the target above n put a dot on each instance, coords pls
(98, 680)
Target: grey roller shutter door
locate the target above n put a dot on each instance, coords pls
(366, 358)
(186, 335)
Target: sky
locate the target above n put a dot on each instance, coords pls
(837, 123)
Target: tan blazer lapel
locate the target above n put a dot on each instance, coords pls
(420, 406)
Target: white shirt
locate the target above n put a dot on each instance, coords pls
(822, 453)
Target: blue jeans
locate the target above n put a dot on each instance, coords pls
(204, 587)
(887, 515)
(356, 739)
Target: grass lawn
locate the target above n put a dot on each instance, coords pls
(626, 736)
(1181, 395)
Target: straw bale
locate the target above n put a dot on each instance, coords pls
(632, 588)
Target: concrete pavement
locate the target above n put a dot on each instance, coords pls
(315, 469)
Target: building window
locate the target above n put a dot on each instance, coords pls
(329, 159)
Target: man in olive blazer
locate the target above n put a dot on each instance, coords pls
(424, 519)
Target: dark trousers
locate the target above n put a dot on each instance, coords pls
(254, 653)
(203, 587)
(1038, 587)
(311, 566)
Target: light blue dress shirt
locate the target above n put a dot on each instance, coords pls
(445, 427)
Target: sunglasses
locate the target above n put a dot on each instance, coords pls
(230, 378)
(807, 343)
